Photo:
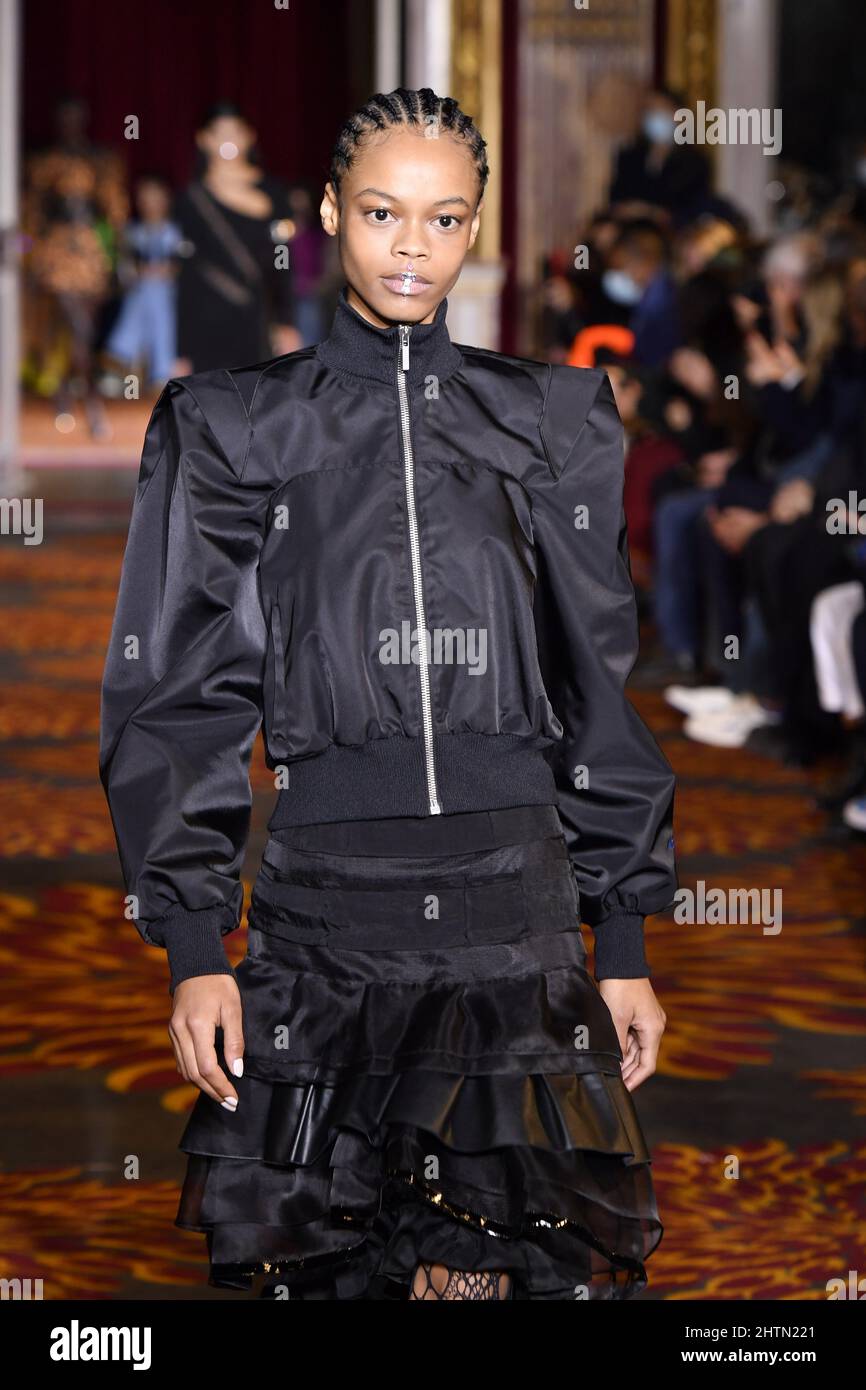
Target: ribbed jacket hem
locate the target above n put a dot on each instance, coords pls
(620, 947)
(388, 777)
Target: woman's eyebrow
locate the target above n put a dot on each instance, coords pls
(380, 192)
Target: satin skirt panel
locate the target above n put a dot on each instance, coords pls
(430, 1073)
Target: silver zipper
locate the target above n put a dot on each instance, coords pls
(420, 620)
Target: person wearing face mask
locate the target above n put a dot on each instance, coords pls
(637, 278)
(654, 170)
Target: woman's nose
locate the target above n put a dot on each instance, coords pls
(411, 246)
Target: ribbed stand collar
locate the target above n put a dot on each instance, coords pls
(354, 345)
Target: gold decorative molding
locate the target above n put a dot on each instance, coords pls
(476, 83)
(581, 75)
(598, 22)
(690, 50)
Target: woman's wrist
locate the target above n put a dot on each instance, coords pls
(194, 946)
(620, 947)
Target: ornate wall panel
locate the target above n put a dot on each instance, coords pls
(580, 77)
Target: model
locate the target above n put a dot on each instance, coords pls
(235, 300)
(406, 559)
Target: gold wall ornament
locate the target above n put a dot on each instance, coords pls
(574, 65)
(599, 22)
(690, 50)
(476, 84)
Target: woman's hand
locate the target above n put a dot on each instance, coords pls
(639, 1020)
(771, 364)
(733, 527)
(201, 1004)
(791, 501)
(763, 365)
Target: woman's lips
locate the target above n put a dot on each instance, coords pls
(395, 284)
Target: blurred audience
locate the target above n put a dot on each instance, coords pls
(739, 368)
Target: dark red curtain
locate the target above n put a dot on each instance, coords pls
(296, 73)
(660, 41)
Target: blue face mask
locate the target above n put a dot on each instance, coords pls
(658, 128)
(619, 286)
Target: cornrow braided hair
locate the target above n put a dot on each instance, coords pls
(407, 107)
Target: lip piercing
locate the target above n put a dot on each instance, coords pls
(408, 276)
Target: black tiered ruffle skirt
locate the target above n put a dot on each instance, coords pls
(430, 1074)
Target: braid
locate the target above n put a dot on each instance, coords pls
(406, 107)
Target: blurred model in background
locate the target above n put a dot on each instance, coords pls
(74, 204)
(235, 300)
(144, 335)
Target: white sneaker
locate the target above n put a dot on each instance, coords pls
(698, 699)
(854, 813)
(730, 727)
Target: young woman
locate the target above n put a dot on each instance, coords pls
(408, 559)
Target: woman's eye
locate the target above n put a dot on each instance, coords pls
(380, 221)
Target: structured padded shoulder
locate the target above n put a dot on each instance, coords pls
(569, 394)
(225, 412)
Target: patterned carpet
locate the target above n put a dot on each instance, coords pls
(755, 1116)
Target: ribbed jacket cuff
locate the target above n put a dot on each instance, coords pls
(620, 948)
(194, 944)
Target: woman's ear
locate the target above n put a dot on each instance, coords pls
(329, 210)
(476, 223)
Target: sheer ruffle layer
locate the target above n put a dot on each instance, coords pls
(343, 1190)
(287, 1123)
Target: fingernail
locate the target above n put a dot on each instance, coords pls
(238, 1066)
(229, 1103)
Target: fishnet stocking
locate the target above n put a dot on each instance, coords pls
(439, 1282)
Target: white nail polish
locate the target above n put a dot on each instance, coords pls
(238, 1066)
(229, 1104)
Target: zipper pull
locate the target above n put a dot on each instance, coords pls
(404, 336)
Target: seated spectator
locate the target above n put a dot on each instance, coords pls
(651, 453)
(655, 172)
(637, 277)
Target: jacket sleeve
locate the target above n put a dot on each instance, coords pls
(615, 788)
(181, 689)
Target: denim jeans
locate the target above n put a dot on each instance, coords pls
(676, 589)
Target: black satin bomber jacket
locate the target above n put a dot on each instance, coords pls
(407, 560)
